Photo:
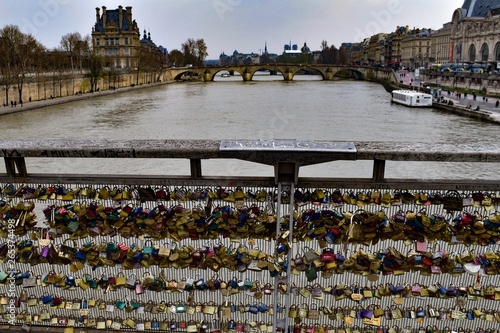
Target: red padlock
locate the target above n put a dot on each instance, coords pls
(310, 329)
(240, 327)
(328, 255)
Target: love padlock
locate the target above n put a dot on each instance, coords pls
(310, 329)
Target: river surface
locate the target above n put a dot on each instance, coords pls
(266, 108)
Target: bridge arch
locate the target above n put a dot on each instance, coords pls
(186, 75)
(327, 72)
(349, 72)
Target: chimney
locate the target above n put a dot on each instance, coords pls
(104, 16)
(129, 14)
(120, 17)
(97, 15)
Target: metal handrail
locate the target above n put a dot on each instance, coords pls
(282, 154)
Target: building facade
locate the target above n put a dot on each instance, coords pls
(116, 37)
(475, 33)
(441, 52)
(416, 48)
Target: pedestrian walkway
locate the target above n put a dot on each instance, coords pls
(409, 79)
(485, 104)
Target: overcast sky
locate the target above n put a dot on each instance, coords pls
(228, 25)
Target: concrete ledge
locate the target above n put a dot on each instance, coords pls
(463, 111)
(203, 149)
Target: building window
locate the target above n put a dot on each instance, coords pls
(112, 40)
(106, 41)
(117, 41)
(472, 53)
(98, 52)
(98, 41)
(126, 40)
(484, 52)
(107, 52)
(127, 52)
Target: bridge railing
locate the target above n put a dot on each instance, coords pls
(281, 218)
(285, 156)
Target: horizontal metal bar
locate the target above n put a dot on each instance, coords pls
(203, 149)
(305, 182)
(141, 180)
(394, 184)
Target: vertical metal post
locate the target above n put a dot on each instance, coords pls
(15, 166)
(378, 170)
(195, 164)
(290, 255)
(276, 281)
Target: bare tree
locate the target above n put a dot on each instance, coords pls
(19, 52)
(82, 51)
(201, 51)
(324, 45)
(96, 70)
(194, 51)
(175, 57)
(70, 43)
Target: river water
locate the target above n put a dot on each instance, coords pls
(266, 108)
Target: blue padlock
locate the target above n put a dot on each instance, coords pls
(253, 309)
(200, 284)
(263, 308)
(281, 248)
(442, 290)
(233, 283)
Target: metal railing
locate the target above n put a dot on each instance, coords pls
(287, 157)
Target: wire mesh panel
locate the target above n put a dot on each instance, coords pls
(192, 258)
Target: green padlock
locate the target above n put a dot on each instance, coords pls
(120, 305)
(148, 248)
(180, 308)
(111, 247)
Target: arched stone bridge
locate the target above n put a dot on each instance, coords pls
(328, 72)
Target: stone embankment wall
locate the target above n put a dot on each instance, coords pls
(43, 87)
(483, 84)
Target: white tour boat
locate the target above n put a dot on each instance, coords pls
(411, 98)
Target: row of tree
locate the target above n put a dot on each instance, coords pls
(24, 58)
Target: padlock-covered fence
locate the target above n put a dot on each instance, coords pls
(192, 253)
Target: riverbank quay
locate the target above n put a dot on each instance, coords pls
(462, 106)
(462, 110)
(33, 105)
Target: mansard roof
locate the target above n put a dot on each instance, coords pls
(479, 8)
(113, 16)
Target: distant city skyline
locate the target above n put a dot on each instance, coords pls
(229, 25)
